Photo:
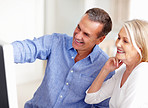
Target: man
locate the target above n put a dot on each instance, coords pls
(72, 63)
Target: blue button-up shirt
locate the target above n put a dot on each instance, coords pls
(65, 81)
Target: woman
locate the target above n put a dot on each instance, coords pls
(128, 88)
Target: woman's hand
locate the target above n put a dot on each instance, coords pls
(112, 64)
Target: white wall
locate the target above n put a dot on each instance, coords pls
(106, 5)
(21, 19)
(62, 16)
(138, 9)
(50, 14)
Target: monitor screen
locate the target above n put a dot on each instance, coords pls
(8, 93)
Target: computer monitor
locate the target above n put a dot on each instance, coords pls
(8, 91)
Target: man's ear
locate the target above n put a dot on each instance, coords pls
(100, 40)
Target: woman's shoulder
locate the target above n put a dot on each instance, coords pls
(143, 66)
(141, 72)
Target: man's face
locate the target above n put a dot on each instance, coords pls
(85, 36)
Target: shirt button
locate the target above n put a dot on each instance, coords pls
(67, 83)
(71, 71)
(61, 96)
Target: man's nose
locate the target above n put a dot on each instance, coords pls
(79, 35)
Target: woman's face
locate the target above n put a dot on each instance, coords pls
(126, 52)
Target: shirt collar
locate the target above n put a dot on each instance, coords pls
(94, 54)
(70, 44)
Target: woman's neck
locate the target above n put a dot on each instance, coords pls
(128, 71)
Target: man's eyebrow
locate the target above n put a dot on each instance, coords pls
(86, 33)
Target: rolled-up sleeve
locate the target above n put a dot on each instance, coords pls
(29, 50)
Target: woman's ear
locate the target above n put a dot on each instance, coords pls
(100, 39)
(140, 49)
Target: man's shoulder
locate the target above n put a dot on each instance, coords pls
(57, 37)
(61, 35)
(100, 54)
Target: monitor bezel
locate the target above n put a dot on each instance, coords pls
(10, 74)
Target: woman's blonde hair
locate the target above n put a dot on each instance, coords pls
(138, 32)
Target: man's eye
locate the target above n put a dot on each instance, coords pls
(86, 34)
(78, 27)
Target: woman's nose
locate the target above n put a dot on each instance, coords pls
(118, 43)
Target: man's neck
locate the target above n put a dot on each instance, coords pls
(81, 55)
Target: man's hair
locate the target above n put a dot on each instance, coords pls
(99, 15)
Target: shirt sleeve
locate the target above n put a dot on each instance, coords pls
(102, 94)
(29, 50)
(136, 94)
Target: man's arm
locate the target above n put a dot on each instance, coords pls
(29, 50)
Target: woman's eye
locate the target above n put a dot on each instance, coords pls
(125, 41)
